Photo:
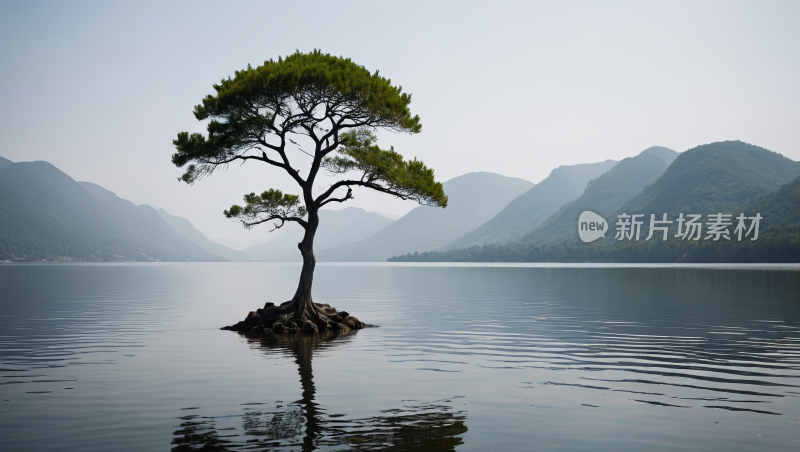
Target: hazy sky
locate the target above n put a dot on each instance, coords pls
(100, 89)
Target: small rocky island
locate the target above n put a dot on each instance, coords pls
(276, 320)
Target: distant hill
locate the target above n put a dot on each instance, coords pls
(387, 215)
(720, 177)
(45, 214)
(716, 177)
(474, 198)
(185, 228)
(147, 224)
(5, 162)
(527, 211)
(728, 177)
(605, 194)
(336, 227)
(665, 154)
(28, 231)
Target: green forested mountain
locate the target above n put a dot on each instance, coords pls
(605, 194)
(474, 198)
(771, 247)
(527, 211)
(778, 238)
(780, 209)
(716, 177)
(5, 162)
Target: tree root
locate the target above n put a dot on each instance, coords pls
(280, 320)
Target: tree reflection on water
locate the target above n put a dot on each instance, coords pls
(303, 425)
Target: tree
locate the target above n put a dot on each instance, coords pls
(329, 108)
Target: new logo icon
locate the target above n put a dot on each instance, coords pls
(591, 226)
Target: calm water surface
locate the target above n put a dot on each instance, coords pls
(130, 357)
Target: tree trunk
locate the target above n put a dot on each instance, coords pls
(300, 314)
(302, 305)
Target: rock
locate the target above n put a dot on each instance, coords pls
(284, 318)
(353, 322)
(308, 327)
(269, 320)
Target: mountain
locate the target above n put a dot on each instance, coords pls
(716, 177)
(185, 228)
(5, 162)
(28, 231)
(387, 215)
(605, 194)
(336, 227)
(44, 214)
(524, 213)
(147, 224)
(665, 154)
(474, 198)
(726, 177)
(780, 209)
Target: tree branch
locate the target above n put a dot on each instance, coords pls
(321, 199)
(283, 220)
(349, 195)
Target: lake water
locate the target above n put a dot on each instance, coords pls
(466, 357)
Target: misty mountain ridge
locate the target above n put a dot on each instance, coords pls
(729, 177)
(665, 154)
(147, 224)
(5, 162)
(474, 198)
(45, 214)
(605, 194)
(527, 211)
(186, 229)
